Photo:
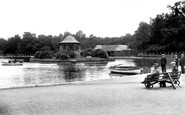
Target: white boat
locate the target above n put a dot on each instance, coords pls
(125, 69)
(11, 63)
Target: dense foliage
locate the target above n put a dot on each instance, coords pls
(44, 54)
(64, 55)
(94, 53)
(29, 44)
(164, 33)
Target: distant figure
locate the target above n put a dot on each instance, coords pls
(15, 61)
(155, 73)
(176, 60)
(182, 62)
(174, 68)
(163, 63)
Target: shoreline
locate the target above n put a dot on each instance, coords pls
(93, 59)
(73, 83)
(72, 60)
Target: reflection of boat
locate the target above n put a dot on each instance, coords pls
(125, 69)
(11, 63)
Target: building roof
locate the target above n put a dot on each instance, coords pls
(112, 47)
(69, 39)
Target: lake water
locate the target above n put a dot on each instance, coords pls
(32, 74)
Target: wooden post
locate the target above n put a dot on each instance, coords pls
(171, 80)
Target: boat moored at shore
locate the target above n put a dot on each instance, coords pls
(125, 69)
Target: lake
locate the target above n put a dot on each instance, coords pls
(32, 74)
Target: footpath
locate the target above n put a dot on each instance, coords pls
(116, 96)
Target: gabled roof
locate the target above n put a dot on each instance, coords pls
(69, 39)
(112, 47)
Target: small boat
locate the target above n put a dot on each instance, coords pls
(125, 69)
(11, 63)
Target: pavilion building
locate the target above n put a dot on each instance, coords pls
(116, 50)
(70, 43)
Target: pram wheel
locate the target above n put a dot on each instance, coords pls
(148, 85)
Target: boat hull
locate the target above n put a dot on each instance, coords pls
(11, 64)
(137, 71)
(125, 69)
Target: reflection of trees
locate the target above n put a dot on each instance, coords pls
(99, 63)
(71, 72)
(145, 62)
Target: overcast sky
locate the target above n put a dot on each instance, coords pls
(98, 17)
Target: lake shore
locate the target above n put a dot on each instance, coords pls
(80, 59)
(92, 59)
(115, 96)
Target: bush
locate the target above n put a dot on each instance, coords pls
(87, 52)
(96, 52)
(72, 54)
(46, 54)
(100, 53)
(62, 55)
(37, 54)
(43, 54)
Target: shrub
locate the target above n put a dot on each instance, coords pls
(46, 54)
(87, 52)
(62, 55)
(43, 54)
(100, 53)
(37, 54)
(72, 54)
(96, 51)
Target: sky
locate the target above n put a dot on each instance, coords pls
(102, 18)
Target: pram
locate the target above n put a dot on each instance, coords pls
(163, 78)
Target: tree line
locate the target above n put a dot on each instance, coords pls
(164, 33)
(30, 43)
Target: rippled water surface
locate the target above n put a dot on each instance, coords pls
(32, 74)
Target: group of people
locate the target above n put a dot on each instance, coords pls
(175, 63)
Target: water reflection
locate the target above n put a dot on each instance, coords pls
(71, 72)
(32, 74)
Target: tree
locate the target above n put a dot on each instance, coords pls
(13, 45)
(28, 43)
(66, 34)
(141, 37)
(3, 45)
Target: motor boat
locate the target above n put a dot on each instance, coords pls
(125, 69)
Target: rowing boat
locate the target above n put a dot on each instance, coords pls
(11, 63)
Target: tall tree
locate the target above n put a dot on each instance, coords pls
(27, 43)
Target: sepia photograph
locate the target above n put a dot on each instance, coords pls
(92, 57)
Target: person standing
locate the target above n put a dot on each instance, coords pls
(163, 63)
(176, 60)
(182, 62)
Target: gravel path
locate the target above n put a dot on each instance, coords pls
(116, 96)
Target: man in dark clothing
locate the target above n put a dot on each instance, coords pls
(182, 62)
(163, 63)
